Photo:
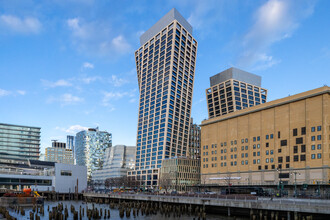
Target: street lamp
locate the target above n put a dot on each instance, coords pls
(295, 182)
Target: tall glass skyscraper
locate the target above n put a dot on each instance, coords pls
(165, 65)
(70, 143)
(19, 143)
(90, 147)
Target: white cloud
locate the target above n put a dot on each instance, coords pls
(88, 80)
(111, 96)
(28, 25)
(66, 99)
(96, 37)
(274, 21)
(120, 44)
(4, 92)
(58, 83)
(117, 81)
(88, 65)
(73, 129)
(21, 92)
(11, 93)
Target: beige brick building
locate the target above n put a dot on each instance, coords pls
(284, 140)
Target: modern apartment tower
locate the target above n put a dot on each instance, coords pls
(90, 147)
(19, 143)
(165, 65)
(59, 153)
(232, 90)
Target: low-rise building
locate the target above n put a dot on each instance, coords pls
(44, 176)
(179, 173)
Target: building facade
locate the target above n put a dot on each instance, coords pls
(19, 143)
(59, 153)
(179, 173)
(286, 140)
(44, 176)
(90, 147)
(165, 65)
(232, 90)
(194, 141)
(117, 161)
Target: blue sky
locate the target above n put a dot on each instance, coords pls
(66, 65)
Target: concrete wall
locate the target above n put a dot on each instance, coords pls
(65, 184)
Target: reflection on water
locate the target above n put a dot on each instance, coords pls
(114, 213)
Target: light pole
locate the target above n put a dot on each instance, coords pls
(280, 182)
(295, 182)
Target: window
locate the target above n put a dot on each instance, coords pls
(313, 129)
(303, 157)
(66, 173)
(299, 140)
(319, 156)
(284, 142)
(295, 149)
(287, 165)
(295, 132)
(319, 137)
(267, 144)
(313, 156)
(287, 158)
(279, 134)
(319, 128)
(313, 147)
(303, 130)
(303, 148)
(296, 158)
(280, 159)
(313, 138)
(318, 146)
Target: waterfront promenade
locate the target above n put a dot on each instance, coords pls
(313, 206)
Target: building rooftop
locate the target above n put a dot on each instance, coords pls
(268, 105)
(172, 15)
(234, 73)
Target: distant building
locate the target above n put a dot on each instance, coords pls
(19, 143)
(90, 148)
(285, 141)
(194, 141)
(232, 90)
(59, 153)
(180, 173)
(44, 176)
(117, 161)
(70, 143)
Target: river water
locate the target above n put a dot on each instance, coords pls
(114, 213)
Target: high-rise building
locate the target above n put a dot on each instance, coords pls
(59, 153)
(194, 141)
(165, 65)
(285, 141)
(90, 148)
(19, 143)
(70, 143)
(117, 161)
(232, 90)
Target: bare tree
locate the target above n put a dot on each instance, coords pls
(165, 181)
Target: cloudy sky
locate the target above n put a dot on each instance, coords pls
(66, 65)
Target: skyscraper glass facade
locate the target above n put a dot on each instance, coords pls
(19, 143)
(165, 65)
(117, 161)
(70, 143)
(90, 147)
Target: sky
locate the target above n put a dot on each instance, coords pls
(68, 65)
